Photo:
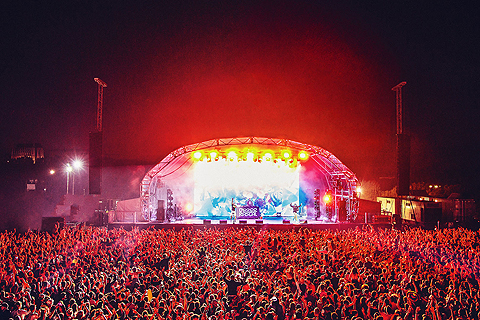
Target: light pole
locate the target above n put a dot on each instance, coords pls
(76, 165)
(68, 169)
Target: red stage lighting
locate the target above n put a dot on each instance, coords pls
(327, 198)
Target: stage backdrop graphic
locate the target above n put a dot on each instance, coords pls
(269, 186)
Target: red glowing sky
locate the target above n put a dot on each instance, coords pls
(185, 72)
(296, 79)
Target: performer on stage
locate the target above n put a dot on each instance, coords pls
(233, 213)
(296, 209)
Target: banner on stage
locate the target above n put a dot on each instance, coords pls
(248, 212)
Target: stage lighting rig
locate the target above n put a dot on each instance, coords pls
(170, 211)
(316, 199)
(328, 200)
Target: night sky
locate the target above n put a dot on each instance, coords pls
(180, 72)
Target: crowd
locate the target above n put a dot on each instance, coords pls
(363, 273)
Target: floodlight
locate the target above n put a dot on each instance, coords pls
(213, 155)
(77, 164)
(327, 198)
(197, 155)
(189, 207)
(267, 156)
(232, 155)
(303, 155)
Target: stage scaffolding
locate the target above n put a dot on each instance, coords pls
(340, 179)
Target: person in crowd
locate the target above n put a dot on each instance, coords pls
(362, 273)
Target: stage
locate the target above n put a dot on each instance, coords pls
(251, 177)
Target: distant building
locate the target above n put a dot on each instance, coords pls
(428, 210)
(32, 151)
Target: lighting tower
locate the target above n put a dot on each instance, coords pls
(398, 93)
(403, 147)
(101, 85)
(96, 148)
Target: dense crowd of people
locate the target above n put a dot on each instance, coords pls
(363, 273)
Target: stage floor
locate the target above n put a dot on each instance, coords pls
(277, 223)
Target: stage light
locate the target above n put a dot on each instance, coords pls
(189, 207)
(327, 198)
(68, 167)
(197, 155)
(52, 172)
(213, 155)
(250, 156)
(359, 189)
(232, 156)
(287, 154)
(267, 156)
(303, 155)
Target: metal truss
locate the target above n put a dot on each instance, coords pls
(337, 173)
